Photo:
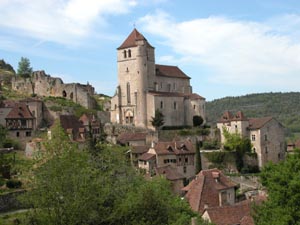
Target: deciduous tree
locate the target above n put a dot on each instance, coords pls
(24, 68)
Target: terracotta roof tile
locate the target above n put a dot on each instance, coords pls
(169, 172)
(123, 138)
(131, 40)
(174, 147)
(170, 71)
(226, 117)
(146, 156)
(195, 96)
(256, 123)
(20, 110)
(204, 189)
(139, 149)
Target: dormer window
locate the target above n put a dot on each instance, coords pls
(169, 148)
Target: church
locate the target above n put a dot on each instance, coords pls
(144, 86)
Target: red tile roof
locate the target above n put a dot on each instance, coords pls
(228, 116)
(169, 172)
(196, 96)
(70, 122)
(170, 71)
(231, 215)
(204, 189)
(139, 149)
(147, 156)
(123, 138)
(20, 111)
(174, 147)
(256, 123)
(131, 40)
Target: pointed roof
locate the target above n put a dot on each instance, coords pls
(257, 123)
(131, 40)
(20, 111)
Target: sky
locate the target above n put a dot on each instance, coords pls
(227, 47)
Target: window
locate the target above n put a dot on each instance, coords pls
(253, 137)
(179, 159)
(175, 105)
(266, 137)
(161, 85)
(161, 105)
(124, 53)
(186, 160)
(173, 160)
(129, 53)
(194, 106)
(184, 169)
(174, 86)
(166, 161)
(18, 134)
(266, 150)
(28, 134)
(23, 123)
(128, 93)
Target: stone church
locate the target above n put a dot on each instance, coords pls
(144, 86)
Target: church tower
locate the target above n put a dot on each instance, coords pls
(136, 71)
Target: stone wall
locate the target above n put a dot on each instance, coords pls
(42, 84)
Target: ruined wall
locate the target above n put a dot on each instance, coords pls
(42, 84)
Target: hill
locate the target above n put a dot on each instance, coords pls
(284, 107)
(6, 68)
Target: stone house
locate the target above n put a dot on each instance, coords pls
(36, 107)
(144, 86)
(210, 188)
(74, 129)
(20, 122)
(266, 135)
(91, 122)
(180, 155)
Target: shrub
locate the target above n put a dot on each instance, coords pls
(13, 183)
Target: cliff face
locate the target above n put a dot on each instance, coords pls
(42, 84)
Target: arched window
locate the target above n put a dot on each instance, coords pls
(124, 53)
(64, 93)
(129, 53)
(128, 93)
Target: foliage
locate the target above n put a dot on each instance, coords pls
(197, 121)
(198, 157)
(282, 183)
(282, 106)
(3, 133)
(24, 69)
(6, 67)
(211, 144)
(158, 120)
(241, 145)
(12, 183)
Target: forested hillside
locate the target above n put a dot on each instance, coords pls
(285, 107)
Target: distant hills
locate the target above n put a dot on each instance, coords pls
(285, 107)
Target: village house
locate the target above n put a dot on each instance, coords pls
(210, 188)
(266, 135)
(144, 86)
(91, 124)
(74, 129)
(174, 159)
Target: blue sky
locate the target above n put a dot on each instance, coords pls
(227, 47)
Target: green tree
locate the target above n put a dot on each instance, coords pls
(198, 157)
(283, 185)
(197, 121)
(24, 69)
(241, 145)
(3, 133)
(158, 120)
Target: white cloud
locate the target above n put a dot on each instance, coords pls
(62, 21)
(237, 52)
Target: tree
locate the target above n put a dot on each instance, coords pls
(198, 157)
(283, 185)
(241, 145)
(197, 121)
(158, 119)
(24, 69)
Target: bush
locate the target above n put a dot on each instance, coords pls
(8, 143)
(13, 183)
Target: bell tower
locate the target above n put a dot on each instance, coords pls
(136, 69)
